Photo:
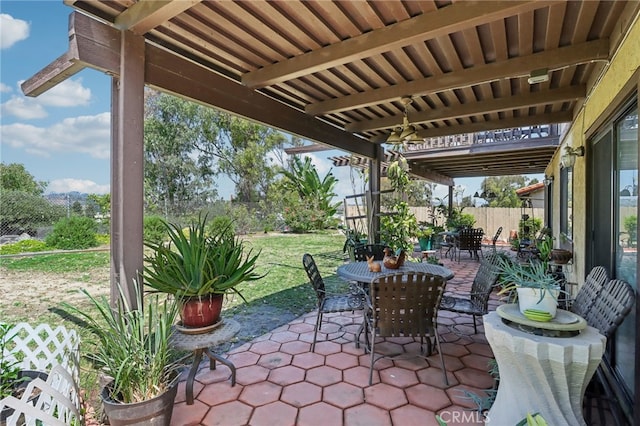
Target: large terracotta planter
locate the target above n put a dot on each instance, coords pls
(203, 311)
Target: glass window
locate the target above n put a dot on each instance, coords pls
(566, 202)
(627, 230)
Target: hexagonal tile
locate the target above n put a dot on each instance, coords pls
(233, 413)
(284, 336)
(343, 395)
(295, 348)
(276, 413)
(220, 374)
(341, 361)
(251, 374)
(411, 415)
(301, 394)
(260, 393)
(308, 360)
(309, 415)
(184, 414)
(274, 360)
(454, 350)
(181, 395)
(301, 327)
(324, 375)
(242, 359)
(219, 393)
(366, 414)
(265, 347)
(427, 397)
(286, 375)
(327, 347)
(474, 378)
(398, 377)
(480, 349)
(433, 376)
(359, 376)
(385, 396)
(458, 395)
(476, 361)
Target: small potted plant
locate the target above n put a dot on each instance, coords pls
(199, 268)
(536, 288)
(425, 235)
(134, 352)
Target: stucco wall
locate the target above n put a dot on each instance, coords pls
(625, 62)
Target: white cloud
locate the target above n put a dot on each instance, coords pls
(80, 185)
(69, 93)
(4, 88)
(12, 30)
(23, 108)
(84, 134)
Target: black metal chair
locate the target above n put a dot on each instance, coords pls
(330, 303)
(362, 253)
(404, 305)
(470, 240)
(494, 240)
(477, 303)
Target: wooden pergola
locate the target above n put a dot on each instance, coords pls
(333, 72)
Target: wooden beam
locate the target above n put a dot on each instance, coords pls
(483, 107)
(145, 15)
(550, 118)
(52, 75)
(439, 23)
(316, 147)
(97, 47)
(516, 67)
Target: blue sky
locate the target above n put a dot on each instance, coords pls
(62, 136)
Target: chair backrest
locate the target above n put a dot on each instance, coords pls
(496, 236)
(406, 304)
(611, 307)
(590, 290)
(314, 275)
(470, 238)
(485, 280)
(362, 252)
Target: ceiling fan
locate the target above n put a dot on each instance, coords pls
(406, 133)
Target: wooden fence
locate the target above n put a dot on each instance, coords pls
(487, 218)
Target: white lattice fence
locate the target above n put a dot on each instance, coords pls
(56, 352)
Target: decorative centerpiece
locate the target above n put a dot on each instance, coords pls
(393, 261)
(561, 256)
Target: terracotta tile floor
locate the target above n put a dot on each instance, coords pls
(280, 382)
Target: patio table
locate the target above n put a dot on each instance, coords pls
(359, 271)
(541, 373)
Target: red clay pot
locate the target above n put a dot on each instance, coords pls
(201, 311)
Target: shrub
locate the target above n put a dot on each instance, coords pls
(76, 232)
(154, 230)
(24, 246)
(21, 212)
(221, 225)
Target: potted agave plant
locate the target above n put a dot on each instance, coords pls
(537, 290)
(199, 268)
(134, 352)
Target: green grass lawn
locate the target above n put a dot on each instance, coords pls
(38, 284)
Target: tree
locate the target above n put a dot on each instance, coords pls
(314, 196)
(14, 177)
(21, 212)
(504, 187)
(76, 208)
(177, 179)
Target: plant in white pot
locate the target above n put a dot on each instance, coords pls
(199, 268)
(537, 289)
(133, 351)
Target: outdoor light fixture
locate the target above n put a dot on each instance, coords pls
(407, 132)
(538, 76)
(548, 180)
(568, 159)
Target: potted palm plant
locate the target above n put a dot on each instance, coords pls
(199, 268)
(537, 290)
(134, 352)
